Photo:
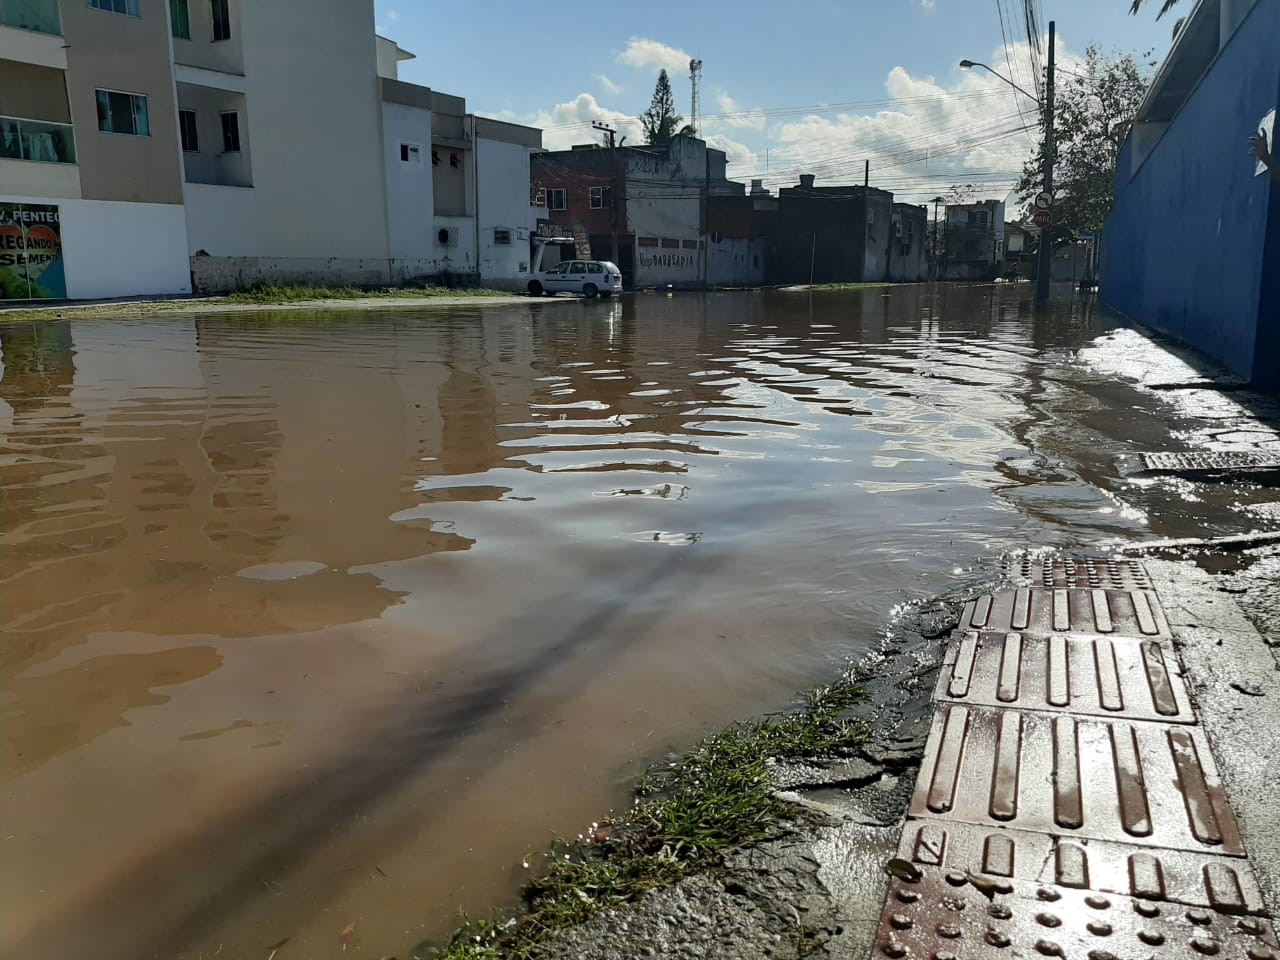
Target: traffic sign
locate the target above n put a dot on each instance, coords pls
(1044, 200)
(1042, 218)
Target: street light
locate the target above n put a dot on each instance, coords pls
(970, 64)
(1044, 266)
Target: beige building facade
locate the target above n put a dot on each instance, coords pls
(90, 178)
(161, 146)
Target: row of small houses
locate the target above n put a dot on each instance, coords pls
(669, 216)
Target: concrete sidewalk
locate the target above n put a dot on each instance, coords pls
(1099, 777)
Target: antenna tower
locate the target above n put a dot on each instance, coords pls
(695, 78)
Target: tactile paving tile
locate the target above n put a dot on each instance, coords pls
(1210, 461)
(1111, 573)
(944, 916)
(1119, 677)
(1040, 610)
(1225, 884)
(1136, 782)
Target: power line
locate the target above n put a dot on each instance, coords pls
(811, 108)
(1004, 38)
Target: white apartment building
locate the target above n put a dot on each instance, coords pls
(160, 146)
(90, 187)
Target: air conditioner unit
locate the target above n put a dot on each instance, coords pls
(447, 236)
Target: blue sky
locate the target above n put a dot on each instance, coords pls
(816, 86)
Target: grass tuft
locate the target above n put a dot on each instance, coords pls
(293, 293)
(850, 286)
(687, 814)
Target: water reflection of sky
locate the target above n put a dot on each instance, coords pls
(337, 563)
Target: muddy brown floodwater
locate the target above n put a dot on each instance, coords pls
(314, 620)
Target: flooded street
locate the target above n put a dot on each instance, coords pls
(320, 620)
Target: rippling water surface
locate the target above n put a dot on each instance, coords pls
(314, 619)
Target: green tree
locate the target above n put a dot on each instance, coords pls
(660, 121)
(1093, 111)
(1165, 7)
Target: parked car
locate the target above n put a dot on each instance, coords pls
(588, 277)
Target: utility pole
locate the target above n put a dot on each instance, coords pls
(615, 190)
(937, 240)
(609, 132)
(1044, 266)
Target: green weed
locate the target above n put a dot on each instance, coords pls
(293, 293)
(687, 814)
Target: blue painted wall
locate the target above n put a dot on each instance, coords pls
(1192, 247)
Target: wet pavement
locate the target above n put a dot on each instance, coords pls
(1069, 803)
(324, 619)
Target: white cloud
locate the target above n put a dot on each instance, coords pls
(930, 136)
(393, 15)
(570, 122)
(927, 4)
(744, 163)
(608, 85)
(642, 53)
(740, 118)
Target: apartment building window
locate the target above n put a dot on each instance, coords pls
(179, 19)
(128, 7)
(501, 237)
(601, 198)
(221, 20)
(187, 127)
(556, 199)
(123, 113)
(411, 153)
(230, 133)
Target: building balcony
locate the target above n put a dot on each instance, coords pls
(36, 140)
(40, 16)
(219, 171)
(31, 33)
(22, 178)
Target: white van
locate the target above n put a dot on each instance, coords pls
(588, 277)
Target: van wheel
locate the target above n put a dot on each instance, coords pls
(535, 288)
(590, 290)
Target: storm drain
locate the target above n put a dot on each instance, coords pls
(1220, 461)
(1068, 804)
(1116, 573)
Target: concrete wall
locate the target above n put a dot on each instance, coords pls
(662, 266)
(664, 192)
(114, 249)
(32, 92)
(1193, 240)
(313, 118)
(223, 221)
(736, 262)
(502, 202)
(112, 51)
(29, 46)
(410, 207)
(458, 256)
(46, 180)
(834, 234)
(908, 249)
(449, 183)
(226, 56)
(210, 164)
(879, 236)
